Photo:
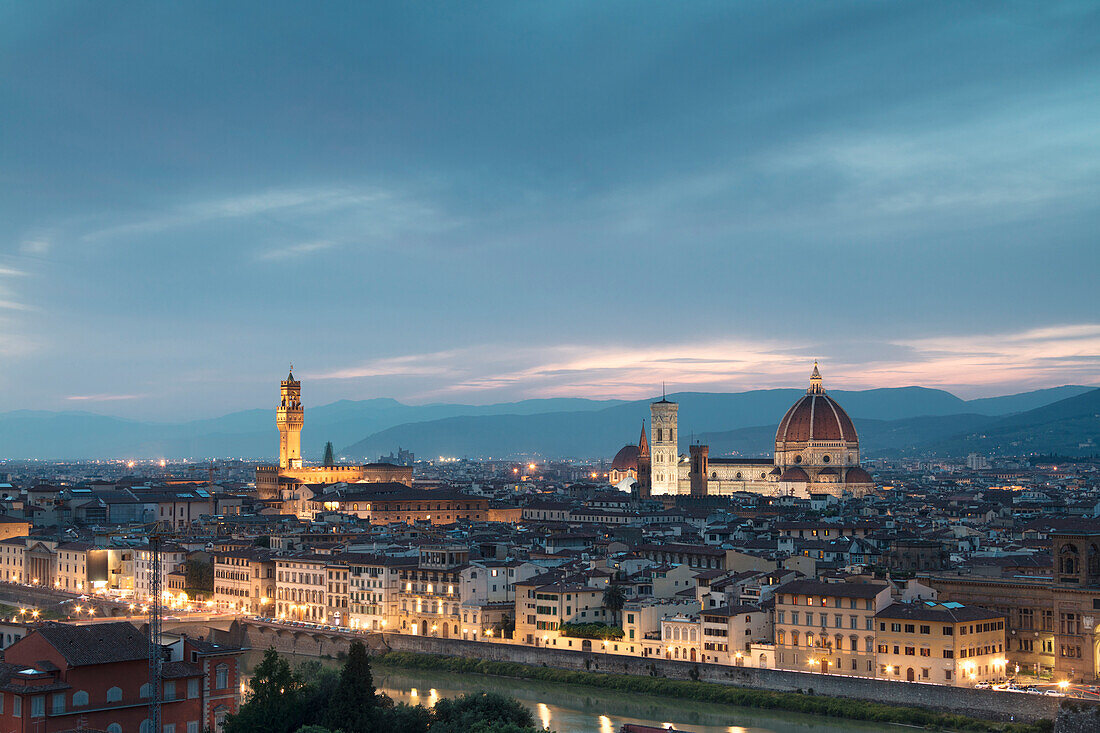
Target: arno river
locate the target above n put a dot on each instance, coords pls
(578, 709)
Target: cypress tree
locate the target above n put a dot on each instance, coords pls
(354, 703)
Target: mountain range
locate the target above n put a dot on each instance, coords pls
(896, 420)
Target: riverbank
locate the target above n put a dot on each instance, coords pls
(700, 691)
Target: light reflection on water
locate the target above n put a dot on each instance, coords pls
(579, 709)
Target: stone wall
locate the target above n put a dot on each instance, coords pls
(982, 703)
(1075, 719)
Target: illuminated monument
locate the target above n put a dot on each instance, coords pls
(290, 474)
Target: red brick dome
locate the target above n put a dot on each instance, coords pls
(815, 417)
(858, 476)
(626, 459)
(794, 473)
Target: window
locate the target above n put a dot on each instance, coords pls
(193, 687)
(146, 726)
(169, 690)
(192, 726)
(169, 728)
(114, 728)
(17, 706)
(113, 695)
(38, 706)
(146, 691)
(221, 676)
(58, 703)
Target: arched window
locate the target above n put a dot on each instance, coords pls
(113, 695)
(146, 726)
(114, 728)
(146, 691)
(1069, 559)
(80, 697)
(221, 676)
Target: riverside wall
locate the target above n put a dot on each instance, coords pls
(989, 704)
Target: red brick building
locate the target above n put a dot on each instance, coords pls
(64, 677)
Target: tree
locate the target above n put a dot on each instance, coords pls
(200, 575)
(274, 705)
(330, 458)
(354, 703)
(461, 714)
(614, 598)
(404, 718)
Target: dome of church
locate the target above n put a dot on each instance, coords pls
(815, 417)
(858, 476)
(794, 473)
(626, 459)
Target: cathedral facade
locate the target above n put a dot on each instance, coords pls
(816, 452)
(290, 475)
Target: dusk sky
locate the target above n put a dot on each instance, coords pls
(482, 202)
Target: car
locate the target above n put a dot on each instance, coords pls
(1054, 693)
(983, 686)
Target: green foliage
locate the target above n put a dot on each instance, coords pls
(461, 714)
(404, 718)
(315, 699)
(614, 598)
(353, 704)
(200, 575)
(275, 704)
(716, 693)
(596, 630)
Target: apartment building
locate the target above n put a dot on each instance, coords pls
(545, 601)
(373, 587)
(941, 643)
(300, 584)
(828, 627)
(244, 580)
(430, 594)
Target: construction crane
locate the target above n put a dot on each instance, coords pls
(155, 532)
(156, 614)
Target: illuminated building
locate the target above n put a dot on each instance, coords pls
(273, 482)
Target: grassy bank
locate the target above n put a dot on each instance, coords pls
(716, 693)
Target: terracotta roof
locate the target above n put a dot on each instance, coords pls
(832, 590)
(857, 476)
(794, 473)
(815, 416)
(626, 458)
(92, 644)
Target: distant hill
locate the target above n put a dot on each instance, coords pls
(888, 419)
(1068, 427)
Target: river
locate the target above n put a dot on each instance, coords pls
(579, 709)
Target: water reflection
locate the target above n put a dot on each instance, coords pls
(578, 709)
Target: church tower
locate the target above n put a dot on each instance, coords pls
(665, 468)
(289, 418)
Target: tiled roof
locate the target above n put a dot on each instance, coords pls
(91, 644)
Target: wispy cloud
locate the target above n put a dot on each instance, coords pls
(970, 365)
(104, 397)
(295, 250)
(36, 246)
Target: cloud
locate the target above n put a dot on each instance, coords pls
(972, 365)
(333, 213)
(37, 246)
(104, 397)
(295, 250)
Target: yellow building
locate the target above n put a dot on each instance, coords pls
(244, 580)
(828, 627)
(940, 643)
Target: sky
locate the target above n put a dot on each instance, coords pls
(482, 202)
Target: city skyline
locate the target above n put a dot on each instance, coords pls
(524, 202)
